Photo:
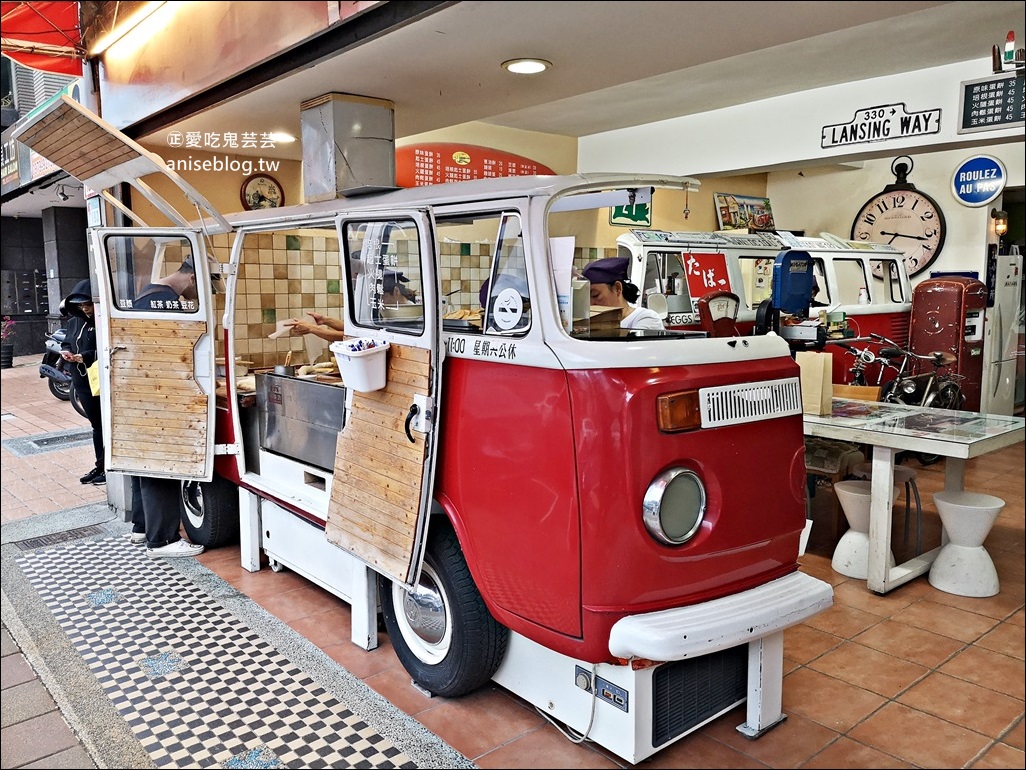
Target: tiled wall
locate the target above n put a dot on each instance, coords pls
(285, 275)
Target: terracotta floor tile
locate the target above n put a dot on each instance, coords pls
(1006, 638)
(545, 747)
(699, 751)
(997, 607)
(803, 643)
(476, 723)
(789, 744)
(846, 753)
(1000, 757)
(869, 669)
(947, 621)
(828, 701)
(989, 669)
(855, 593)
(1016, 737)
(843, 621)
(919, 738)
(915, 644)
(297, 603)
(964, 703)
(394, 684)
(363, 663)
(332, 626)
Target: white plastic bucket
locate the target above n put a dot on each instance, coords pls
(361, 362)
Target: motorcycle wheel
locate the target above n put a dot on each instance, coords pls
(61, 390)
(76, 401)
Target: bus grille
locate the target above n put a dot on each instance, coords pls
(688, 693)
(750, 401)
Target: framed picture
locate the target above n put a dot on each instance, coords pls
(741, 212)
(261, 191)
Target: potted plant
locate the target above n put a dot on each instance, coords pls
(6, 345)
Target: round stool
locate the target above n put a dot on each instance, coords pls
(903, 476)
(851, 556)
(963, 566)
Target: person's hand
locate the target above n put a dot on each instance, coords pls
(317, 317)
(298, 328)
(67, 355)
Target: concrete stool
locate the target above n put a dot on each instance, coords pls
(851, 556)
(963, 566)
(903, 476)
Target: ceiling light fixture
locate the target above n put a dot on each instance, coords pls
(280, 137)
(526, 66)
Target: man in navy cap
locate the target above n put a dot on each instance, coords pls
(392, 290)
(611, 287)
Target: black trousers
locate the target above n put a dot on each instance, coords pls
(91, 404)
(155, 510)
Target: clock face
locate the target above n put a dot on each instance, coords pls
(908, 220)
(261, 191)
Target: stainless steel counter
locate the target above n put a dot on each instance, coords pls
(300, 418)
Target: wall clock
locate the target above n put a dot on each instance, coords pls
(907, 219)
(261, 191)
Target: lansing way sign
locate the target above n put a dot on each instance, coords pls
(878, 124)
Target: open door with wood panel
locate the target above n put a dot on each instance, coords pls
(157, 352)
(384, 461)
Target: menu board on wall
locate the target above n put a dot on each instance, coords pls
(417, 165)
(991, 103)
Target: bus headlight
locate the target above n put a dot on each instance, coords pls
(674, 506)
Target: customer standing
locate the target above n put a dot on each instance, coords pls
(79, 347)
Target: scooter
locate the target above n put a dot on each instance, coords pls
(56, 371)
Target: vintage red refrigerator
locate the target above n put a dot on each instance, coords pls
(947, 315)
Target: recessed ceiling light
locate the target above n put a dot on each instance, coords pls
(526, 66)
(281, 137)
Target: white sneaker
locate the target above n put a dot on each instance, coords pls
(175, 550)
(137, 538)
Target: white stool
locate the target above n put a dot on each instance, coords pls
(903, 476)
(963, 566)
(851, 556)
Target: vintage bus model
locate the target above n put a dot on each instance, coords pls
(864, 283)
(605, 522)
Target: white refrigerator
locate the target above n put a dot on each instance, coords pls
(1004, 342)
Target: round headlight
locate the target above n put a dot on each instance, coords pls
(674, 506)
(908, 387)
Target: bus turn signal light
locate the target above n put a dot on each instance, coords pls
(678, 411)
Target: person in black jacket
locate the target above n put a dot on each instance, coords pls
(79, 347)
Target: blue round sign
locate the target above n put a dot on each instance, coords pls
(978, 180)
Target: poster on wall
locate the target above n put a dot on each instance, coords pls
(743, 212)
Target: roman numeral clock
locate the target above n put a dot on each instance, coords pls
(903, 217)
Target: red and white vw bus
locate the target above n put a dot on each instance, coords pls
(604, 521)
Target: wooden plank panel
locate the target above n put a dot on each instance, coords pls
(159, 409)
(375, 495)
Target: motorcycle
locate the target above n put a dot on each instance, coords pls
(57, 371)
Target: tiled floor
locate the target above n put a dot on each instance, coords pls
(915, 678)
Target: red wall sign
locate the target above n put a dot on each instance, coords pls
(417, 165)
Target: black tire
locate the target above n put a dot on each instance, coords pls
(210, 511)
(61, 390)
(76, 401)
(443, 633)
(949, 396)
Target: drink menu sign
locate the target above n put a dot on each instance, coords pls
(417, 165)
